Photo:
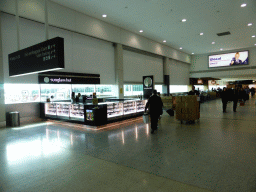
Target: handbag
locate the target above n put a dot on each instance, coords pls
(146, 118)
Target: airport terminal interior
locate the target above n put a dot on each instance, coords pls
(75, 78)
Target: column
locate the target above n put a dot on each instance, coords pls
(2, 103)
(119, 73)
(166, 86)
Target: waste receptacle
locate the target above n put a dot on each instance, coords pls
(14, 119)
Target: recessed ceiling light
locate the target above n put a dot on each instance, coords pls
(253, 36)
(255, 44)
(184, 20)
(180, 47)
(141, 31)
(193, 53)
(213, 42)
(104, 15)
(249, 24)
(164, 41)
(221, 49)
(243, 5)
(201, 33)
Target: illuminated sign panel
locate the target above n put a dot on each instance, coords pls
(229, 59)
(45, 56)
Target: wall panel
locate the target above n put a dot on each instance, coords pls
(137, 65)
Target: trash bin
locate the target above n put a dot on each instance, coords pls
(14, 118)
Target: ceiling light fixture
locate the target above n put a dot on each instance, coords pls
(184, 20)
(213, 42)
(201, 33)
(141, 31)
(249, 24)
(255, 44)
(253, 36)
(221, 49)
(193, 53)
(243, 5)
(104, 15)
(164, 41)
(180, 47)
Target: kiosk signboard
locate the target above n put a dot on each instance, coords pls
(45, 56)
(53, 77)
(148, 86)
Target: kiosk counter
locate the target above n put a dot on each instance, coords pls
(90, 114)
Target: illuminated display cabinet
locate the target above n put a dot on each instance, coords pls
(90, 114)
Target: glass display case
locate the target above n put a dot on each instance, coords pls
(63, 110)
(129, 107)
(77, 111)
(51, 109)
(92, 114)
(140, 105)
(114, 109)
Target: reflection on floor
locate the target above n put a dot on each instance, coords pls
(218, 153)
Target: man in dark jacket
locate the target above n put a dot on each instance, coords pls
(225, 97)
(155, 106)
(236, 97)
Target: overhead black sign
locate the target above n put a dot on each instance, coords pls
(148, 86)
(68, 78)
(48, 55)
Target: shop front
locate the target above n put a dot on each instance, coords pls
(69, 97)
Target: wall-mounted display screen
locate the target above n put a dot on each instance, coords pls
(229, 59)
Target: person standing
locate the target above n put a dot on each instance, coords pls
(195, 92)
(224, 97)
(155, 106)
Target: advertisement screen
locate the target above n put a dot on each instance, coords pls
(229, 59)
(89, 115)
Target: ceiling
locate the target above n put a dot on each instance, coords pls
(161, 20)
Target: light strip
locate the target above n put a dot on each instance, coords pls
(32, 126)
(36, 72)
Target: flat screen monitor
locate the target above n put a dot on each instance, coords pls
(229, 59)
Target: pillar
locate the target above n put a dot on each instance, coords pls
(2, 103)
(119, 73)
(166, 87)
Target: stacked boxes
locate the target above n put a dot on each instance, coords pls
(167, 102)
(187, 108)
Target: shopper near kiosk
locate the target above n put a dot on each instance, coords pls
(155, 106)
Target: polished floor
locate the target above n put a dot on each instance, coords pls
(217, 153)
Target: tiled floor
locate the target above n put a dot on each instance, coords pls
(218, 153)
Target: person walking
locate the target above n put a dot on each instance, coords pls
(224, 97)
(252, 91)
(155, 106)
(236, 97)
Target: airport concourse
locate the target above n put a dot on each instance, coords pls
(115, 95)
(215, 154)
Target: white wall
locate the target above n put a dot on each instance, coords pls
(83, 54)
(199, 67)
(66, 18)
(137, 65)
(177, 71)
